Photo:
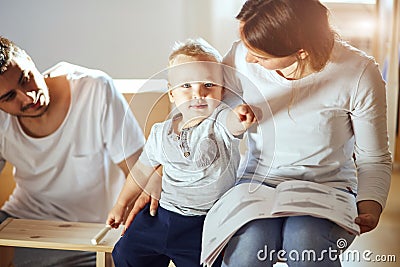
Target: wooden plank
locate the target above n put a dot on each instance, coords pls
(5, 223)
(104, 259)
(56, 235)
(100, 259)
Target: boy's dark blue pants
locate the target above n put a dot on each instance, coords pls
(154, 241)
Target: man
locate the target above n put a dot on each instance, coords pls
(71, 138)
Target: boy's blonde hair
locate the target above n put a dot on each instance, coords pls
(194, 48)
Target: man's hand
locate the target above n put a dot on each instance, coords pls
(140, 203)
(369, 212)
(151, 193)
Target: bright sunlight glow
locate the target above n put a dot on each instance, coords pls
(370, 2)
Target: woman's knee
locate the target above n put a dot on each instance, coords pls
(307, 238)
(250, 246)
(261, 233)
(309, 232)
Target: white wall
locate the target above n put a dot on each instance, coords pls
(356, 23)
(125, 38)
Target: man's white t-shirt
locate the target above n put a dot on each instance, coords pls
(72, 173)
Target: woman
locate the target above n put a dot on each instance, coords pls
(328, 107)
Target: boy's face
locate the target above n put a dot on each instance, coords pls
(23, 91)
(196, 86)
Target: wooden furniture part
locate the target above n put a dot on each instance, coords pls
(59, 235)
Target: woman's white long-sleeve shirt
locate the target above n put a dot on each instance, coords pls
(329, 127)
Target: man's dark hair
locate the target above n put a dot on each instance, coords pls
(8, 50)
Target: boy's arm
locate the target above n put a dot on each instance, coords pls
(134, 185)
(240, 119)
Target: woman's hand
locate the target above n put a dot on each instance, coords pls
(369, 212)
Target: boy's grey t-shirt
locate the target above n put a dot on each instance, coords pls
(199, 165)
